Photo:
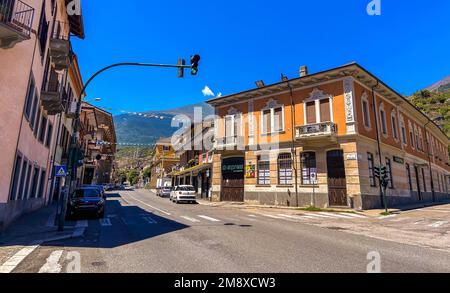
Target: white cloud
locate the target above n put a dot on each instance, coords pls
(207, 92)
(219, 95)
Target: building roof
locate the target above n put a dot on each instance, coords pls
(352, 69)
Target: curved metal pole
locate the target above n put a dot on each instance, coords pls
(77, 122)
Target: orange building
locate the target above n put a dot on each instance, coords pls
(316, 139)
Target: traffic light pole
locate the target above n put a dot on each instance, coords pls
(76, 126)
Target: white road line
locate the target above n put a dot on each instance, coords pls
(105, 222)
(150, 206)
(273, 217)
(318, 215)
(438, 224)
(356, 216)
(291, 217)
(17, 258)
(149, 220)
(52, 265)
(208, 218)
(190, 219)
(82, 224)
(335, 215)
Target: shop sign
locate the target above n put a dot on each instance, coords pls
(233, 168)
(399, 160)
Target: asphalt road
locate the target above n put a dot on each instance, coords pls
(144, 233)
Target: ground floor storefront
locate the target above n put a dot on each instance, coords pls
(197, 176)
(332, 174)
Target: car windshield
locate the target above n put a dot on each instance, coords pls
(86, 193)
(186, 188)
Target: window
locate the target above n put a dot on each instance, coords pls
(42, 129)
(366, 115)
(166, 148)
(22, 179)
(15, 178)
(34, 182)
(29, 98)
(411, 137)
(325, 115)
(394, 125)
(43, 30)
(403, 133)
(272, 119)
(408, 174)
(263, 170)
(48, 140)
(311, 117)
(383, 122)
(38, 118)
(309, 168)
(232, 126)
(285, 169)
(34, 110)
(424, 181)
(389, 173)
(42, 184)
(371, 170)
(26, 193)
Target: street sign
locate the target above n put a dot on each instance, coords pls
(61, 171)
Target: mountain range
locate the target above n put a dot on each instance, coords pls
(146, 128)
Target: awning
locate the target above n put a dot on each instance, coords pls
(190, 170)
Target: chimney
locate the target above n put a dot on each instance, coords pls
(303, 71)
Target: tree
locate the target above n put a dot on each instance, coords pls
(147, 173)
(122, 176)
(133, 177)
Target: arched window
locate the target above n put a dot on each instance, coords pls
(394, 125)
(285, 169)
(366, 111)
(383, 120)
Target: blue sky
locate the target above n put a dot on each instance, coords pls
(244, 41)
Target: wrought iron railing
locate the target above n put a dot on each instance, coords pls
(17, 14)
(52, 85)
(311, 130)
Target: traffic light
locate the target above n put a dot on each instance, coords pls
(383, 172)
(377, 172)
(194, 64)
(181, 63)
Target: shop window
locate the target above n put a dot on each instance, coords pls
(372, 177)
(263, 170)
(285, 169)
(309, 168)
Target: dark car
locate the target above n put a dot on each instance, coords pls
(100, 188)
(87, 200)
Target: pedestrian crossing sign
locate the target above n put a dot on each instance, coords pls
(61, 171)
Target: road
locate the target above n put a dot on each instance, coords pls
(144, 233)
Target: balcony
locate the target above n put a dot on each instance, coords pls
(325, 131)
(60, 48)
(51, 95)
(16, 19)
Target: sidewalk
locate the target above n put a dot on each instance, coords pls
(32, 230)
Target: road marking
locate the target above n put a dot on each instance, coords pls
(438, 224)
(149, 220)
(17, 258)
(335, 215)
(82, 224)
(320, 216)
(208, 218)
(190, 219)
(356, 216)
(253, 216)
(291, 217)
(155, 208)
(105, 222)
(52, 265)
(273, 217)
(387, 217)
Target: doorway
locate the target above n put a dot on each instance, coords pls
(233, 179)
(337, 182)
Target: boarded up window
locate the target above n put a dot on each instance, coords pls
(325, 115)
(311, 113)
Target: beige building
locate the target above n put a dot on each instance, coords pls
(315, 140)
(35, 57)
(164, 160)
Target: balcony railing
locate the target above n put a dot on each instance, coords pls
(319, 130)
(16, 19)
(51, 94)
(60, 48)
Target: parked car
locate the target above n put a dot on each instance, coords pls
(164, 191)
(183, 193)
(100, 188)
(87, 200)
